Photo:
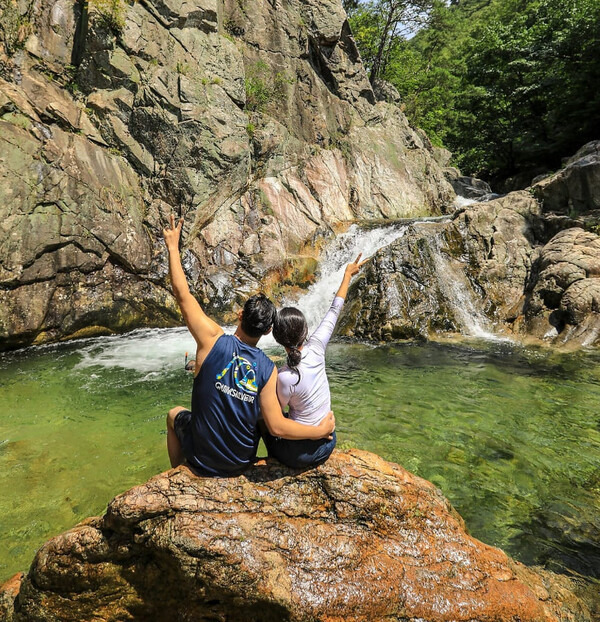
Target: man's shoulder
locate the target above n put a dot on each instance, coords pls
(266, 363)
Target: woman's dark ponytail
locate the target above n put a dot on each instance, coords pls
(294, 357)
(290, 330)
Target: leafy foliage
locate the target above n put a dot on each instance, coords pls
(15, 26)
(507, 85)
(111, 12)
(379, 25)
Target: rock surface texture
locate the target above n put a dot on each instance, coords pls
(462, 276)
(564, 299)
(521, 265)
(574, 190)
(255, 121)
(355, 539)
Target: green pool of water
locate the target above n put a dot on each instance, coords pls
(511, 435)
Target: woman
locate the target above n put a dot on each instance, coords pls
(302, 384)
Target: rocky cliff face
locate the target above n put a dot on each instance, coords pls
(526, 264)
(254, 120)
(356, 539)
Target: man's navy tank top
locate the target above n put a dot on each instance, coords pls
(225, 407)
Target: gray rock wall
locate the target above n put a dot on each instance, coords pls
(497, 268)
(254, 120)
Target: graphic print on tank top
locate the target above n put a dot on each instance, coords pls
(243, 373)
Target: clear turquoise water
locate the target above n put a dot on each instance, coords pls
(511, 435)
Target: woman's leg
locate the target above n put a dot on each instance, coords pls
(299, 454)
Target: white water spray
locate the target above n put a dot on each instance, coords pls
(456, 289)
(461, 201)
(153, 351)
(341, 251)
(149, 351)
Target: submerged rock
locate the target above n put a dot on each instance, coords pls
(356, 539)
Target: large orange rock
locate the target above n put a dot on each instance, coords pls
(356, 539)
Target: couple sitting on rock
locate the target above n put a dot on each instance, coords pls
(236, 384)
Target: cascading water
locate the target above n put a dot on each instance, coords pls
(342, 250)
(149, 351)
(458, 292)
(461, 201)
(452, 281)
(83, 421)
(152, 351)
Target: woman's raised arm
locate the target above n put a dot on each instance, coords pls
(327, 325)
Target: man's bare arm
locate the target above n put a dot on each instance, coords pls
(279, 425)
(204, 330)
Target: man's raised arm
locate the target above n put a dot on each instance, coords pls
(204, 330)
(278, 425)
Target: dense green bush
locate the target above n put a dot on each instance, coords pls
(264, 87)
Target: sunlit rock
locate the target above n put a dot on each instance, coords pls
(257, 123)
(466, 275)
(356, 539)
(565, 291)
(488, 272)
(575, 189)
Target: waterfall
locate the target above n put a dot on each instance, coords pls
(461, 201)
(452, 281)
(456, 289)
(341, 251)
(152, 351)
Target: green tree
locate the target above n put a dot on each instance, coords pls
(507, 85)
(426, 71)
(378, 25)
(530, 85)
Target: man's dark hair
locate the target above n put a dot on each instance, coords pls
(258, 316)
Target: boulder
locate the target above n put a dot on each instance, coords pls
(462, 276)
(490, 269)
(466, 186)
(564, 297)
(501, 240)
(356, 539)
(407, 289)
(575, 189)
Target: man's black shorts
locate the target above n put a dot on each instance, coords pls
(181, 425)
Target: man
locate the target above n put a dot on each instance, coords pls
(234, 382)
